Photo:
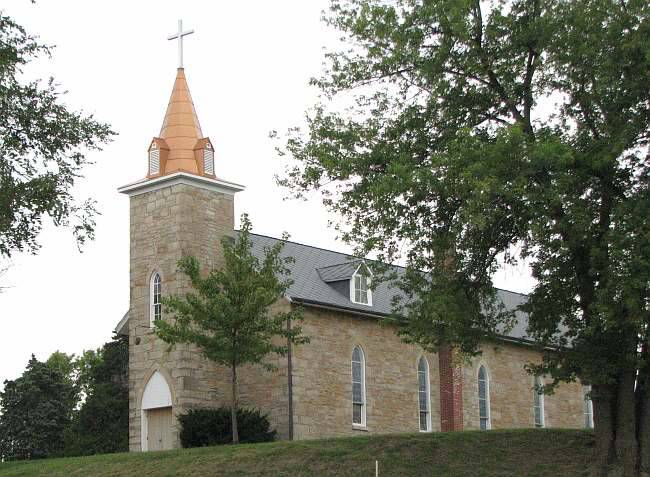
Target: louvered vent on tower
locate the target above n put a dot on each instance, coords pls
(154, 160)
(208, 160)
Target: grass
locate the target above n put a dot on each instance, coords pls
(529, 452)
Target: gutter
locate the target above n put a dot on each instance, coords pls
(325, 306)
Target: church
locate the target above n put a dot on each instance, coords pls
(355, 377)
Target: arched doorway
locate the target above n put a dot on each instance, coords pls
(157, 416)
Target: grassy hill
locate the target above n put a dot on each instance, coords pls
(531, 452)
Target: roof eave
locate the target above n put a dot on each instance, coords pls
(143, 186)
(376, 314)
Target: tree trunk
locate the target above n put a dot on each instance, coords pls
(233, 407)
(644, 432)
(643, 418)
(603, 399)
(626, 442)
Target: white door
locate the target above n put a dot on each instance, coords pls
(157, 416)
(159, 429)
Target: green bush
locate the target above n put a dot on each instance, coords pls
(209, 427)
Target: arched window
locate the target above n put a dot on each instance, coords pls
(538, 401)
(155, 290)
(424, 395)
(358, 387)
(587, 407)
(484, 398)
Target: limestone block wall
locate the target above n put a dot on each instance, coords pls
(166, 224)
(511, 391)
(322, 377)
(182, 220)
(268, 390)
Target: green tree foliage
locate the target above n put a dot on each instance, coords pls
(68, 405)
(34, 411)
(229, 316)
(484, 133)
(101, 424)
(42, 149)
(65, 364)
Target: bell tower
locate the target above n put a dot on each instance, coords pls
(181, 207)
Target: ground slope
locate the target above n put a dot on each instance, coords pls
(531, 452)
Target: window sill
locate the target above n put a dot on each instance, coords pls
(359, 427)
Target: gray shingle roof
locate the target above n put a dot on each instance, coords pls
(316, 273)
(338, 272)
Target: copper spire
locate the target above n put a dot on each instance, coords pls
(181, 129)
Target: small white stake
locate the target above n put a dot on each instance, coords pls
(376, 468)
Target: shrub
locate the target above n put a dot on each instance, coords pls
(208, 427)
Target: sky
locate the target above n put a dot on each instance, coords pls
(248, 66)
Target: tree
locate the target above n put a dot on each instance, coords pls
(42, 149)
(34, 411)
(229, 316)
(479, 134)
(101, 424)
(65, 364)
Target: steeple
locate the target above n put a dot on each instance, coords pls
(180, 154)
(181, 145)
(181, 125)
(180, 128)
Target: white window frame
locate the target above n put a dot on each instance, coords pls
(423, 359)
(487, 397)
(152, 298)
(538, 402)
(353, 285)
(364, 402)
(587, 407)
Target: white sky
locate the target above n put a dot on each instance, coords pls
(247, 65)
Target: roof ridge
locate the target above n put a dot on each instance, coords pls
(339, 264)
(301, 244)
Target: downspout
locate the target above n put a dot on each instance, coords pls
(290, 381)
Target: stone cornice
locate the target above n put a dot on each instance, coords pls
(149, 185)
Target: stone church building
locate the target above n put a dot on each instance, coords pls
(355, 377)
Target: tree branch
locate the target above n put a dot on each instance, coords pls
(493, 80)
(530, 72)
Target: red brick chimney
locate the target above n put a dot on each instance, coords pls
(451, 391)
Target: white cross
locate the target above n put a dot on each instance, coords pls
(180, 36)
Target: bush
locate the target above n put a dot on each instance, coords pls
(209, 427)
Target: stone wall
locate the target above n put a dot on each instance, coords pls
(511, 391)
(322, 382)
(268, 390)
(166, 224)
(322, 389)
(185, 220)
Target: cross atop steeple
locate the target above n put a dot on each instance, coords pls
(180, 36)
